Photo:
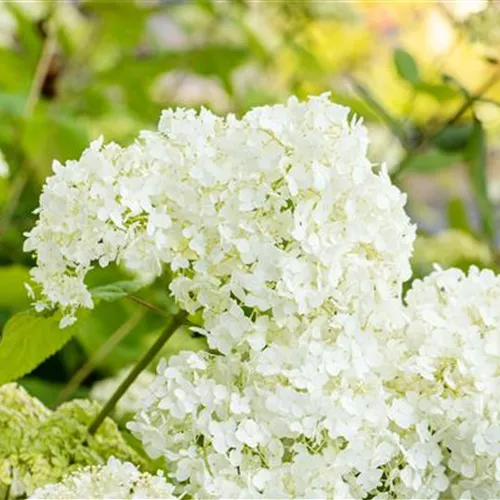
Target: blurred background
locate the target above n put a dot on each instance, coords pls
(425, 76)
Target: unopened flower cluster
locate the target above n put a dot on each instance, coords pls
(321, 381)
(40, 446)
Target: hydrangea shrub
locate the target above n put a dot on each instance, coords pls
(321, 380)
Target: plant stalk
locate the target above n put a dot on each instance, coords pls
(79, 377)
(177, 321)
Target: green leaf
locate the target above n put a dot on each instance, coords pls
(475, 156)
(115, 291)
(454, 137)
(123, 27)
(12, 104)
(430, 161)
(28, 340)
(47, 391)
(439, 91)
(458, 217)
(52, 135)
(15, 72)
(406, 66)
(13, 294)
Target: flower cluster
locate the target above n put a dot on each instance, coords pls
(114, 480)
(321, 381)
(297, 420)
(279, 213)
(39, 446)
(449, 385)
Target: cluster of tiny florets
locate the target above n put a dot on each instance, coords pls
(321, 381)
(342, 412)
(450, 382)
(279, 212)
(114, 480)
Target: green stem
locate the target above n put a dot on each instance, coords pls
(177, 321)
(148, 305)
(79, 377)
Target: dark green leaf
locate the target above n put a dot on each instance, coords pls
(28, 340)
(475, 156)
(454, 137)
(406, 66)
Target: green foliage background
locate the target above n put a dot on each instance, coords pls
(72, 71)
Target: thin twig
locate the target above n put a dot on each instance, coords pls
(42, 69)
(177, 321)
(79, 377)
(475, 97)
(478, 95)
(148, 305)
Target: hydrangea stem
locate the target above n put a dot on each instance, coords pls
(177, 321)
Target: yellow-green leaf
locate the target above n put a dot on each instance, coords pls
(27, 340)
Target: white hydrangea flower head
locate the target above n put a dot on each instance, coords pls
(310, 421)
(116, 479)
(450, 382)
(279, 214)
(130, 402)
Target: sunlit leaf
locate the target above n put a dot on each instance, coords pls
(29, 339)
(458, 217)
(13, 294)
(439, 91)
